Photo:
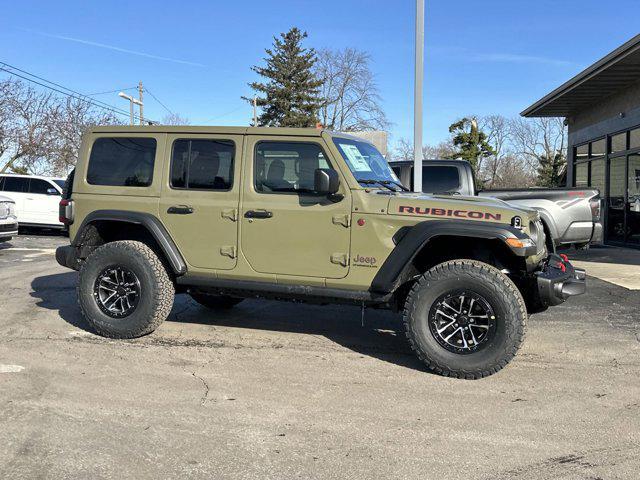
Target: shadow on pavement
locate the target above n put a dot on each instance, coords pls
(607, 254)
(58, 292)
(380, 337)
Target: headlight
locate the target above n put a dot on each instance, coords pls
(5, 209)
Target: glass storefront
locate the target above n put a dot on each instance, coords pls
(615, 171)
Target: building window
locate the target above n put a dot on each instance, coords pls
(619, 142)
(634, 138)
(582, 175)
(597, 176)
(598, 148)
(582, 152)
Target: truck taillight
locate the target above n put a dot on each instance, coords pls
(595, 209)
(65, 211)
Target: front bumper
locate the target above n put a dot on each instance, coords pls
(559, 280)
(8, 228)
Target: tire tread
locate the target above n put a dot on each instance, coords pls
(504, 287)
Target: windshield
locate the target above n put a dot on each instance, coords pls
(365, 162)
(60, 183)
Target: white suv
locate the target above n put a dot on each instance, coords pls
(8, 222)
(36, 198)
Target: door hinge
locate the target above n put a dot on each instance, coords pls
(344, 220)
(340, 259)
(231, 214)
(228, 251)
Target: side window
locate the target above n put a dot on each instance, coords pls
(1, 183)
(122, 162)
(287, 166)
(440, 179)
(16, 184)
(202, 164)
(39, 187)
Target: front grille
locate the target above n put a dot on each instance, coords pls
(10, 227)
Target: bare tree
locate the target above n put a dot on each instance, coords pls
(539, 137)
(27, 128)
(175, 119)
(39, 132)
(404, 150)
(351, 101)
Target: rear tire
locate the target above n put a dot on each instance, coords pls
(486, 332)
(216, 302)
(138, 277)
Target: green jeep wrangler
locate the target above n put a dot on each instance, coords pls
(225, 213)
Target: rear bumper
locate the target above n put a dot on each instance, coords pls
(559, 280)
(66, 256)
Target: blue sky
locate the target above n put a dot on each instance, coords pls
(494, 56)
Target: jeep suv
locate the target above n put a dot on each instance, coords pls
(224, 213)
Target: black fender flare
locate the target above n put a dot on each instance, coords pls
(148, 221)
(412, 239)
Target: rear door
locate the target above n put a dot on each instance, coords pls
(16, 188)
(41, 202)
(200, 197)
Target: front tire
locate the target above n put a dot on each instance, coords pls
(124, 290)
(465, 319)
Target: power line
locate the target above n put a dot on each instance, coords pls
(112, 91)
(74, 93)
(61, 89)
(146, 89)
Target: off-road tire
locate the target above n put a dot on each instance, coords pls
(215, 302)
(482, 279)
(156, 289)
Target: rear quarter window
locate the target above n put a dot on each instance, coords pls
(122, 162)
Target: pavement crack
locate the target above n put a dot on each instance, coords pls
(205, 396)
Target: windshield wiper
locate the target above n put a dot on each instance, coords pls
(384, 183)
(372, 181)
(398, 184)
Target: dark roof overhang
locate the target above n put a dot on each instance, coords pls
(617, 70)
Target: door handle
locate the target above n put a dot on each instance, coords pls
(258, 214)
(180, 210)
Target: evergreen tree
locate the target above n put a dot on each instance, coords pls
(551, 170)
(290, 92)
(471, 143)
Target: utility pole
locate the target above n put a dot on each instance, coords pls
(255, 110)
(417, 98)
(131, 102)
(140, 90)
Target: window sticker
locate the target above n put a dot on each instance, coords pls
(357, 162)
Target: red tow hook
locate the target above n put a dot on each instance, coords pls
(561, 266)
(564, 257)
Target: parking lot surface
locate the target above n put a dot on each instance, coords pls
(283, 390)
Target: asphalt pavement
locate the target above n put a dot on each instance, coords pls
(274, 390)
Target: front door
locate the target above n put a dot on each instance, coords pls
(200, 197)
(286, 228)
(623, 220)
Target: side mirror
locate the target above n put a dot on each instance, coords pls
(52, 191)
(326, 181)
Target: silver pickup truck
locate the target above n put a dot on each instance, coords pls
(571, 216)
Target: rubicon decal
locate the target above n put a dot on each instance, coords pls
(441, 212)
